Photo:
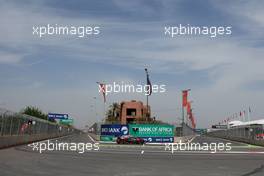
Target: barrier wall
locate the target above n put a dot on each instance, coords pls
(16, 129)
(249, 134)
(187, 131)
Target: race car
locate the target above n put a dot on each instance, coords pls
(129, 140)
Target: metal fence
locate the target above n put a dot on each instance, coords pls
(253, 134)
(12, 124)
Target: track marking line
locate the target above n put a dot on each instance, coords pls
(91, 138)
(189, 141)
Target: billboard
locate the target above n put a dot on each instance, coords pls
(151, 130)
(159, 139)
(66, 121)
(114, 130)
(57, 116)
(107, 138)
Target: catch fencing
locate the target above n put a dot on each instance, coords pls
(17, 128)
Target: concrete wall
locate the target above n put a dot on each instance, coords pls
(187, 131)
(239, 135)
(9, 141)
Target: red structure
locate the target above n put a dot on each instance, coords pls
(130, 111)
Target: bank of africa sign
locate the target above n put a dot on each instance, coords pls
(148, 130)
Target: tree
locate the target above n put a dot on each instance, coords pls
(35, 112)
(113, 113)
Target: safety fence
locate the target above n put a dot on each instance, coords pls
(252, 134)
(16, 128)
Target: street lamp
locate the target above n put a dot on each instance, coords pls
(95, 107)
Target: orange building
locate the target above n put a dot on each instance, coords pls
(130, 111)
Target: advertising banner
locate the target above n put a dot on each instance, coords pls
(158, 139)
(114, 130)
(57, 116)
(151, 130)
(107, 138)
(66, 121)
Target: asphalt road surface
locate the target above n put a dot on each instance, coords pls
(132, 160)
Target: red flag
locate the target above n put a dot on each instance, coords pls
(188, 108)
(193, 122)
(184, 98)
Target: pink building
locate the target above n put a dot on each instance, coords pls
(131, 111)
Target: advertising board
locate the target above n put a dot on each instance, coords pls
(114, 130)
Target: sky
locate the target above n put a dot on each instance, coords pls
(59, 74)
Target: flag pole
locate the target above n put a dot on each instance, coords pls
(102, 88)
(249, 111)
(146, 71)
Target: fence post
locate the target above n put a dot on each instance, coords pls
(11, 126)
(2, 124)
(18, 127)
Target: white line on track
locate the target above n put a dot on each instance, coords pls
(191, 139)
(179, 152)
(91, 138)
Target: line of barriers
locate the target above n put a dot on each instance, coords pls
(252, 134)
(16, 128)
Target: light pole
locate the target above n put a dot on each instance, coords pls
(95, 107)
(149, 91)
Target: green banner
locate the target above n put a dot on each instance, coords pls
(106, 138)
(66, 121)
(151, 130)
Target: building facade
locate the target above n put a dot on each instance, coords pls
(132, 111)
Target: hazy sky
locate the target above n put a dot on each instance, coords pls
(58, 74)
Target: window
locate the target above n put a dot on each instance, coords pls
(131, 112)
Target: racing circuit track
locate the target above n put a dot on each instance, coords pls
(132, 160)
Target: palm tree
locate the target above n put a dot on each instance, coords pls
(113, 113)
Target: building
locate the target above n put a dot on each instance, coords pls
(237, 123)
(133, 111)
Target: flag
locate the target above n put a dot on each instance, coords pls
(184, 98)
(249, 110)
(189, 108)
(149, 90)
(102, 89)
(193, 121)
